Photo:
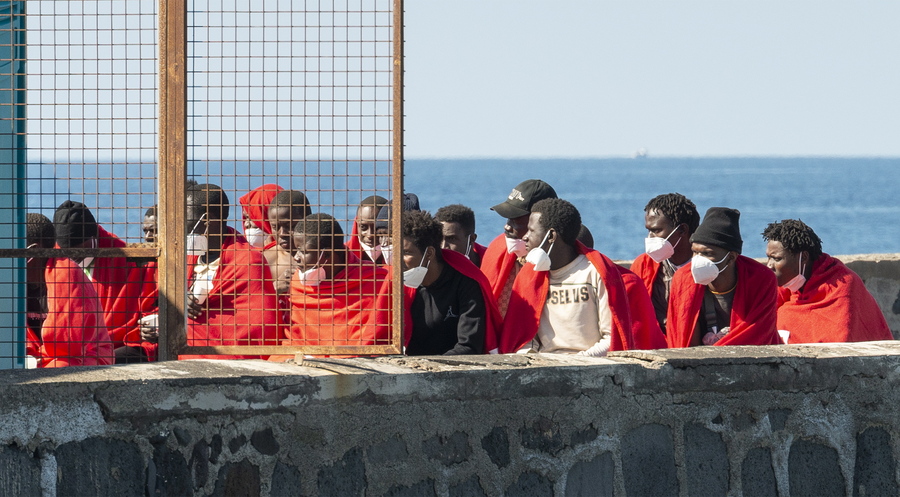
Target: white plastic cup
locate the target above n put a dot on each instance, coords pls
(150, 321)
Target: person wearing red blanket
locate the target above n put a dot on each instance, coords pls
(819, 298)
(255, 215)
(287, 209)
(567, 298)
(231, 297)
(336, 299)
(458, 224)
(117, 280)
(65, 318)
(721, 297)
(363, 242)
(670, 220)
(450, 309)
(505, 255)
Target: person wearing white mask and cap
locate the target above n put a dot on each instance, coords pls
(449, 303)
(505, 255)
(721, 297)
(117, 280)
(670, 220)
(819, 298)
(567, 298)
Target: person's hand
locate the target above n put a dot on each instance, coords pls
(194, 309)
(150, 333)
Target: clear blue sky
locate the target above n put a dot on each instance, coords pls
(597, 78)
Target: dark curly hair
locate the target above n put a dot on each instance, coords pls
(40, 230)
(457, 213)
(209, 198)
(422, 229)
(795, 236)
(560, 215)
(678, 208)
(323, 227)
(295, 200)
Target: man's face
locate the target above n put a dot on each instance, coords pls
(785, 263)
(455, 237)
(535, 233)
(194, 221)
(247, 222)
(365, 221)
(516, 227)
(713, 253)
(282, 221)
(658, 224)
(149, 228)
(308, 254)
(412, 256)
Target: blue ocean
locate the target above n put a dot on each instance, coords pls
(852, 203)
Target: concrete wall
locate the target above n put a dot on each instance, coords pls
(788, 420)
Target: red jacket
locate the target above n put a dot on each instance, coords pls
(354, 308)
(242, 307)
(530, 293)
(74, 333)
(468, 269)
(647, 269)
(497, 265)
(752, 312)
(644, 327)
(833, 306)
(120, 286)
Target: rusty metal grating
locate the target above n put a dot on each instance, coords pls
(131, 107)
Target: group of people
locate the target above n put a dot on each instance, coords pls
(293, 278)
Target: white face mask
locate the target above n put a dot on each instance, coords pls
(414, 277)
(538, 257)
(197, 244)
(705, 270)
(256, 237)
(314, 276)
(798, 281)
(28, 260)
(516, 246)
(660, 249)
(372, 252)
(387, 251)
(86, 262)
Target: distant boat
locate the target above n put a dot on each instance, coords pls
(640, 153)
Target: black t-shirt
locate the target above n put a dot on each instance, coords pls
(448, 316)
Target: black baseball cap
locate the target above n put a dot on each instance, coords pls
(522, 197)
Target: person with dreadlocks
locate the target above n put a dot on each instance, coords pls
(363, 242)
(819, 298)
(449, 306)
(65, 317)
(336, 299)
(670, 220)
(567, 298)
(458, 226)
(231, 298)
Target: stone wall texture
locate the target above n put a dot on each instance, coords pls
(785, 420)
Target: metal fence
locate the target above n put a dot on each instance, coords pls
(148, 123)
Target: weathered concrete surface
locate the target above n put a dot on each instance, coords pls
(740, 421)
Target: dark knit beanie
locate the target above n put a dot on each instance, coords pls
(383, 219)
(73, 223)
(720, 228)
(410, 202)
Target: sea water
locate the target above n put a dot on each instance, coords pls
(852, 203)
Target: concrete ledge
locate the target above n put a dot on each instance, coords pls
(704, 421)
